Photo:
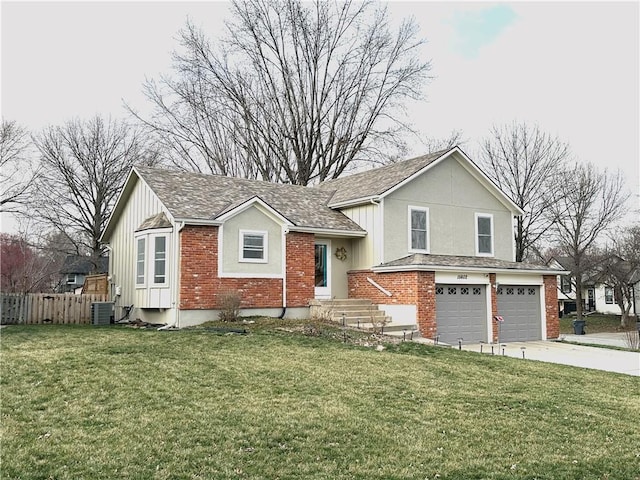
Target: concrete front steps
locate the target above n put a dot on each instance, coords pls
(362, 314)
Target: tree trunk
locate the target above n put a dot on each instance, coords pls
(579, 300)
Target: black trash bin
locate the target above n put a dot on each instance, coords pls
(578, 327)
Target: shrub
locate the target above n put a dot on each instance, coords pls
(229, 306)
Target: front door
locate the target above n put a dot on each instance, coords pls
(323, 270)
(591, 300)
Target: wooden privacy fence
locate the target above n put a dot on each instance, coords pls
(34, 308)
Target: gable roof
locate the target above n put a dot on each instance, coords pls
(193, 197)
(158, 220)
(379, 182)
(374, 182)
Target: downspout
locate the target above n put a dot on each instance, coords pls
(176, 282)
(285, 232)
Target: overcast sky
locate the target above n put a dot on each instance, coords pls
(571, 68)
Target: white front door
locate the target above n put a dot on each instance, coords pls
(323, 269)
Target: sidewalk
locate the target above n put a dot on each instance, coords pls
(591, 357)
(607, 339)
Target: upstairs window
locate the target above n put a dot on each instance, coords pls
(71, 278)
(140, 260)
(484, 234)
(565, 283)
(418, 229)
(253, 246)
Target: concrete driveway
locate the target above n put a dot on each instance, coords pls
(596, 358)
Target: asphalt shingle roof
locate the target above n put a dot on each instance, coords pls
(83, 265)
(421, 259)
(377, 180)
(200, 196)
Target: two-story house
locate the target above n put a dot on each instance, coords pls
(429, 240)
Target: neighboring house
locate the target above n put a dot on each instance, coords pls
(566, 286)
(76, 268)
(597, 295)
(429, 240)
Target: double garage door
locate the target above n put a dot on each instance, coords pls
(461, 313)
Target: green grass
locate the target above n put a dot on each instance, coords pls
(113, 402)
(596, 323)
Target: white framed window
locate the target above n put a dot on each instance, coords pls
(608, 295)
(141, 244)
(152, 253)
(418, 233)
(160, 259)
(253, 246)
(565, 283)
(71, 278)
(484, 234)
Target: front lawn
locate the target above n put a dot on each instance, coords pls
(596, 323)
(114, 402)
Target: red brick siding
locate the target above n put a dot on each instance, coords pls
(407, 288)
(200, 286)
(300, 268)
(426, 305)
(551, 306)
(494, 305)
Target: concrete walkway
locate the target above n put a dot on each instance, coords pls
(596, 358)
(607, 339)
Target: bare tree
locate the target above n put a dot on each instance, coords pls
(622, 265)
(84, 165)
(525, 163)
(23, 269)
(294, 93)
(585, 204)
(17, 174)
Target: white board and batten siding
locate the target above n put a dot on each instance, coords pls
(143, 203)
(367, 251)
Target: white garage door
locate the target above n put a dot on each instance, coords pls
(461, 313)
(519, 305)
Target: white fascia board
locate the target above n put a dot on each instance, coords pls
(327, 232)
(444, 268)
(249, 203)
(116, 207)
(497, 191)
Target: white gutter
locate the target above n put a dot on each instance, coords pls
(198, 221)
(436, 268)
(176, 281)
(355, 202)
(327, 232)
